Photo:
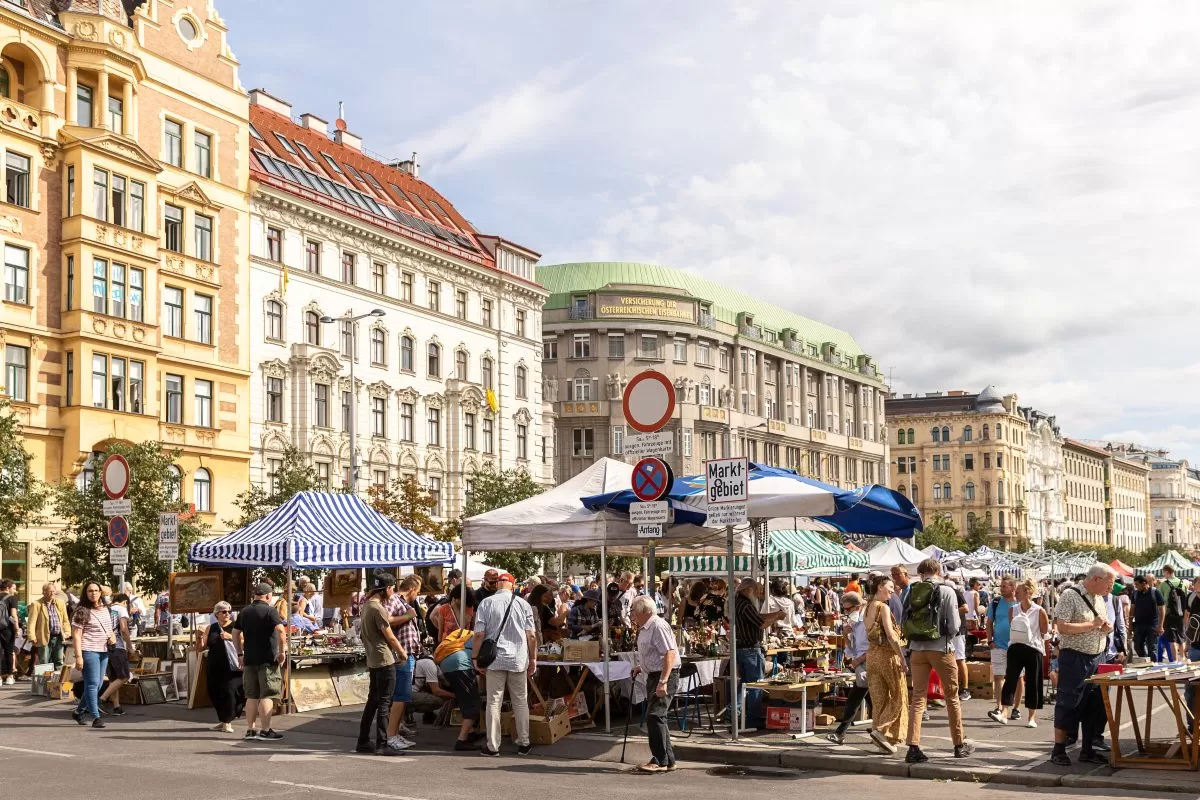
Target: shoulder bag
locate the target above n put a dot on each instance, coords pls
(487, 650)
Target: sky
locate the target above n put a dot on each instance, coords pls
(980, 193)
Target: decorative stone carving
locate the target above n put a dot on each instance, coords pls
(206, 436)
(136, 243)
(101, 233)
(614, 386)
(99, 325)
(522, 417)
(470, 405)
(379, 389)
(50, 154)
(84, 30)
(433, 401)
(173, 263)
(117, 38)
(408, 395)
(549, 388)
(204, 271)
(118, 330)
(10, 225)
(175, 434)
(274, 369)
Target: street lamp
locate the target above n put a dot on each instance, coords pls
(349, 317)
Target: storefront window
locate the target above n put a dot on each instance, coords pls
(14, 565)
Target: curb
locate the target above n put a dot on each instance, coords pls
(1141, 783)
(849, 765)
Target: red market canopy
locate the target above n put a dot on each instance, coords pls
(1121, 567)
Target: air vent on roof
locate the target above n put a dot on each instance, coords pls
(410, 165)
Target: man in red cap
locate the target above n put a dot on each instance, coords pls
(507, 622)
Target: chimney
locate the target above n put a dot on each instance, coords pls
(410, 165)
(345, 137)
(315, 123)
(260, 97)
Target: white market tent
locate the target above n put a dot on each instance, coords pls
(891, 552)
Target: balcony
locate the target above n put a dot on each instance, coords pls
(707, 320)
(581, 312)
(750, 332)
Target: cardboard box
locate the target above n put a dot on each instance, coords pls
(575, 650)
(801, 719)
(978, 672)
(38, 686)
(779, 718)
(131, 695)
(982, 691)
(58, 689)
(825, 720)
(548, 730)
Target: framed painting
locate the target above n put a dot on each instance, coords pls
(235, 587)
(432, 578)
(150, 665)
(340, 586)
(195, 592)
(167, 682)
(152, 691)
(179, 674)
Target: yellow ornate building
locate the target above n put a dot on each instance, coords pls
(124, 231)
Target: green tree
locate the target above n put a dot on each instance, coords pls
(79, 551)
(22, 494)
(616, 564)
(294, 475)
(407, 502)
(976, 534)
(492, 489)
(940, 532)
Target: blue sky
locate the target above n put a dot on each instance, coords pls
(980, 193)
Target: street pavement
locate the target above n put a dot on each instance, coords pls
(166, 751)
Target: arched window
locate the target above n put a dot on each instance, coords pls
(945, 491)
(912, 436)
(434, 365)
(899, 433)
(312, 328)
(969, 491)
(967, 434)
(986, 436)
(406, 353)
(916, 493)
(1001, 518)
(970, 518)
(936, 433)
(274, 320)
(5, 84)
(902, 491)
(937, 491)
(945, 433)
(521, 389)
(460, 365)
(486, 378)
(378, 347)
(988, 518)
(175, 483)
(202, 490)
(999, 431)
(1000, 492)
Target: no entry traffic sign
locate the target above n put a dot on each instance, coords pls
(648, 401)
(652, 479)
(118, 532)
(114, 477)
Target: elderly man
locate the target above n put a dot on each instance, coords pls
(508, 621)
(751, 659)
(584, 619)
(625, 598)
(1083, 628)
(49, 626)
(658, 658)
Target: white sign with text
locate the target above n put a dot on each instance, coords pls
(649, 513)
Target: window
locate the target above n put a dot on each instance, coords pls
(986, 435)
(16, 274)
(378, 277)
(204, 237)
(16, 372)
(406, 354)
(70, 379)
(523, 442)
(435, 296)
(83, 105)
(967, 434)
(687, 445)
(912, 439)
(173, 228)
(435, 494)
(378, 347)
(433, 366)
(582, 388)
(489, 437)
(312, 256)
(274, 320)
(274, 244)
(347, 338)
(937, 491)
(937, 434)
(945, 434)
(70, 191)
(704, 393)
(581, 442)
(616, 345)
(202, 153)
(469, 431)
(899, 436)
(329, 160)
(16, 179)
(173, 143)
(618, 439)
(321, 405)
(681, 349)
(725, 359)
(1000, 492)
(648, 346)
(485, 370)
(407, 432)
(202, 312)
(946, 491)
(582, 346)
(323, 474)
(460, 304)
(549, 350)
(703, 353)
(999, 431)
(406, 287)
(202, 489)
(137, 281)
(434, 420)
(203, 404)
(174, 404)
(100, 194)
(520, 381)
(347, 411)
(999, 460)
(275, 399)
(312, 328)
(379, 416)
(460, 365)
(117, 277)
(349, 262)
(520, 322)
(969, 462)
(485, 312)
(172, 307)
(987, 460)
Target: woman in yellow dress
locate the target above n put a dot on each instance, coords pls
(886, 667)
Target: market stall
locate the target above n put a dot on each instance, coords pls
(1183, 567)
(1180, 749)
(316, 530)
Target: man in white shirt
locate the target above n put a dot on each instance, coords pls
(508, 621)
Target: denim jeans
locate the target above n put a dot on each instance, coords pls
(1190, 691)
(378, 707)
(751, 667)
(94, 666)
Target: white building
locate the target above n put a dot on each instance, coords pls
(1045, 488)
(447, 380)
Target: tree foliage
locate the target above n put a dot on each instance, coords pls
(79, 551)
(492, 489)
(22, 494)
(407, 502)
(976, 535)
(295, 474)
(940, 532)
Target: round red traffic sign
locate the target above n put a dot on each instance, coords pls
(118, 532)
(648, 401)
(114, 477)
(652, 479)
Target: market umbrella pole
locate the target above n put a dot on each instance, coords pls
(604, 627)
(287, 638)
(463, 587)
(733, 670)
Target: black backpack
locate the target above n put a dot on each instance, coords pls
(1175, 600)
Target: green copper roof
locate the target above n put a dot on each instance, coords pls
(562, 280)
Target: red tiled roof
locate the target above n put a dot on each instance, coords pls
(425, 215)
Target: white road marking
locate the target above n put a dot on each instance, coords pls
(37, 752)
(354, 792)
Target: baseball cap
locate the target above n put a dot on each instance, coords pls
(507, 576)
(263, 588)
(380, 581)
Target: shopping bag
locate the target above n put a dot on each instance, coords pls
(935, 691)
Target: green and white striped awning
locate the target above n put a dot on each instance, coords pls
(1183, 567)
(790, 552)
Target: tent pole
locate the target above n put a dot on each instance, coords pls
(767, 573)
(287, 638)
(463, 586)
(733, 671)
(651, 578)
(604, 627)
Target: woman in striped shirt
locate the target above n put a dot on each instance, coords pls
(92, 634)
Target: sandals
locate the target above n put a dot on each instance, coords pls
(649, 768)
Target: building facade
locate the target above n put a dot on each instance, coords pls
(1085, 467)
(963, 456)
(751, 379)
(447, 379)
(1174, 496)
(1045, 479)
(1127, 502)
(124, 228)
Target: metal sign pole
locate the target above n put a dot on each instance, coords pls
(170, 616)
(604, 627)
(733, 670)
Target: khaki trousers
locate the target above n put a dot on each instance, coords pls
(920, 664)
(516, 683)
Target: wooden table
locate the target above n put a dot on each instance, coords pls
(617, 671)
(1183, 752)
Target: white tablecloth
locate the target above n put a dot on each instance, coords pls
(617, 670)
(706, 672)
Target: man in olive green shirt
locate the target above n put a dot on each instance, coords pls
(380, 644)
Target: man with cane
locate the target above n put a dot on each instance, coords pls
(659, 659)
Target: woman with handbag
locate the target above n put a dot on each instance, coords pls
(1026, 648)
(453, 657)
(92, 635)
(224, 679)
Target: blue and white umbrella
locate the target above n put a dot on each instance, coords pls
(775, 493)
(325, 531)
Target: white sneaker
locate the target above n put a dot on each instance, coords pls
(9, 681)
(1031, 724)
(997, 716)
(408, 731)
(399, 743)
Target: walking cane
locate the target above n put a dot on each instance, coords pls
(628, 716)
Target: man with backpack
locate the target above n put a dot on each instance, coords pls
(1149, 615)
(931, 621)
(1175, 598)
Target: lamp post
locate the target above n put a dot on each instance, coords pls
(350, 319)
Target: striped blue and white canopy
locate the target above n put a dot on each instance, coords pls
(321, 530)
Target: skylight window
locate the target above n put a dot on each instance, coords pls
(307, 153)
(332, 164)
(286, 144)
